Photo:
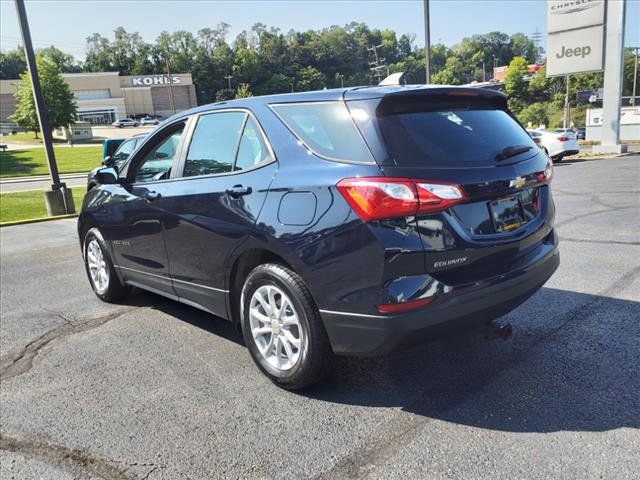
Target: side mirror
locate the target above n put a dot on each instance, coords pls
(107, 176)
(106, 161)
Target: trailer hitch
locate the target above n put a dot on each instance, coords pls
(495, 331)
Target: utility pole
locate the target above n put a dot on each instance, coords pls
(537, 38)
(567, 109)
(378, 64)
(427, 43)
(171, 98)
(59, 200)
(228, 78)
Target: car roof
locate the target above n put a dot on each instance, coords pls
(336, 94)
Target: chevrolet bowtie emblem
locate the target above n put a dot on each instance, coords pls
(517, 182)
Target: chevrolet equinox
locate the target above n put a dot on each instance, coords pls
(350, 221)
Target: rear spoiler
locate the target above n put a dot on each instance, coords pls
(440, 98)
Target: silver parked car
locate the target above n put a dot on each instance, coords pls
(149, 121)
(556, 145)
(125, 122)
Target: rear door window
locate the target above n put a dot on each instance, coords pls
(253, 149)
(326, 128)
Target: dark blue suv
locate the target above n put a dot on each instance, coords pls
(350, 221)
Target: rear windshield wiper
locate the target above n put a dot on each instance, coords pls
(512, 151)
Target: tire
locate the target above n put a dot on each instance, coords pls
(94, 247)
(292, 368)
(556, 159)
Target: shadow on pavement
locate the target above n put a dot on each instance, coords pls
(575, 369)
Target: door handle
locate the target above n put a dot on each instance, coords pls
(151, 196)
(238, 191)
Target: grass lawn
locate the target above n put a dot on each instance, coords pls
(32, 161)
(30, 204)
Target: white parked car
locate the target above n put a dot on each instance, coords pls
(149, 121)
(125, 122)
(556, 145)
(570, 132)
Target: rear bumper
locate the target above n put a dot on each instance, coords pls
(371, 335)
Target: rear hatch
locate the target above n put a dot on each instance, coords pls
(465, 137)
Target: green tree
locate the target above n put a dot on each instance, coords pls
(537, 114)
(453, 73)
(515, 85)
(225, 94)
(65, 62)
(12, 64)
(58, 99)
(310, 78)
(243, 91)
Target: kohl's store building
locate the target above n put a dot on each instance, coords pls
(104, 97)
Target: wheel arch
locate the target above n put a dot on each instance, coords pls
(240, 267)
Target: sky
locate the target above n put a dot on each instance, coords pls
(66, 24)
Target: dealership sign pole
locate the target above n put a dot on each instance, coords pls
(58, 199)
(613, 74)
(578, 41)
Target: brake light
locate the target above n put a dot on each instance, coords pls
(563, 139)
(375, 198)
(546, 175)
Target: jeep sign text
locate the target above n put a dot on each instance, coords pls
(575, 51)
(155, 80)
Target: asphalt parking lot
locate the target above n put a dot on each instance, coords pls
(157, 390)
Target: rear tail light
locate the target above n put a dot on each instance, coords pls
(375, 198)
(563, 139)
(546, 175)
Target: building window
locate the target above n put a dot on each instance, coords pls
(92, 94)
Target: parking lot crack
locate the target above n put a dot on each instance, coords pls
(68, 458)
(604, 242)
(22, 361)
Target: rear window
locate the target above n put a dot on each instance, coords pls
(449, 137)
(326, 128)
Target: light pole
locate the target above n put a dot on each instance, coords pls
(567, 109)
(59, 199)
(635, 77)
(427, 44)
(173, 102)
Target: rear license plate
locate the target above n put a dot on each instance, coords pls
(507, 214)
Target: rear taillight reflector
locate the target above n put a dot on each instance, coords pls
(546, 175)
(405, 306)
(563, 139)
(376, 198)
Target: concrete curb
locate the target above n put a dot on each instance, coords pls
(37, 220)
(42, 178)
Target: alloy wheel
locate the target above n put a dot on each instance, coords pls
(275, 327)
(98, 269)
